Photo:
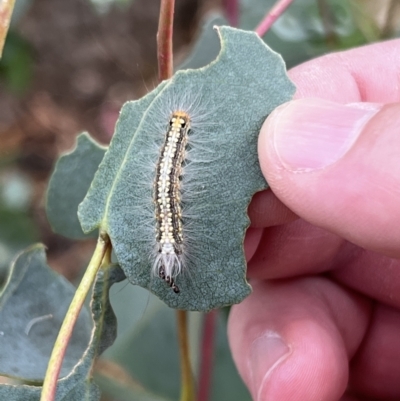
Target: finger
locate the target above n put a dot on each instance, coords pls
(376, 368)
(370, 273)
(344, 77)
(292, 340)
(337, 167)
(293, 249)
(252, 241)
(266, 210)
(366, 74)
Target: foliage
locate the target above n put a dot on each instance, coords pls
(32, 307)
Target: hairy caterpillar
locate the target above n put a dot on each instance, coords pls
(167, 199)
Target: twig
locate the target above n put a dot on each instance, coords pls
(273, 14)
(207, 353)
(164, 40)
(6, 9)
(231, 8)
(65, 333)
(187, 385)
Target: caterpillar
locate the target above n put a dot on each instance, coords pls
(167, 200)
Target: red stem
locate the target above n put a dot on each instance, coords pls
(164, 39)
(275, 12)
(231, 8)
(207, 353)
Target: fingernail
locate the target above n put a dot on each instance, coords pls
(311, 134)
(266, 353)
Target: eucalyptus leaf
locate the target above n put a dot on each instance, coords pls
(33, 288)
(124, 390)
(30, 318)
(68, 185)
(227, 101)
(152, 342)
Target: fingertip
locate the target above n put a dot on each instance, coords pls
(286, 342)
(336, 166)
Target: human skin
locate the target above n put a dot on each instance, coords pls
(323, 321)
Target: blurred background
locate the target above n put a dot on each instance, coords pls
(68, 66)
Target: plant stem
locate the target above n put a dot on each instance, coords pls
(187, 386)
(164, 39)
(207, 353)
(273, 14)
(6, 9)
(65, 333)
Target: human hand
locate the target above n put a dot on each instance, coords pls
(323, 322)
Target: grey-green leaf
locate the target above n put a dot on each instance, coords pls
(35, 291)
(30, 318)
(151, 343)
(69, 184)
(227, 102)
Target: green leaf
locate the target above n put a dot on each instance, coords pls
(27, 345)
(228, 101)
(135, 308)
(68, 185)
(115, 382)
(152, 341)
(33, 290)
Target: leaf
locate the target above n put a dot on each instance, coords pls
(117, 383)
(28, 344)
(135, 309)
(152, 341)
(148, 352)
(68, 185)
(230, 98)
(33, 289)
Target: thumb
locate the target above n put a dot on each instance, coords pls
(338, 167)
